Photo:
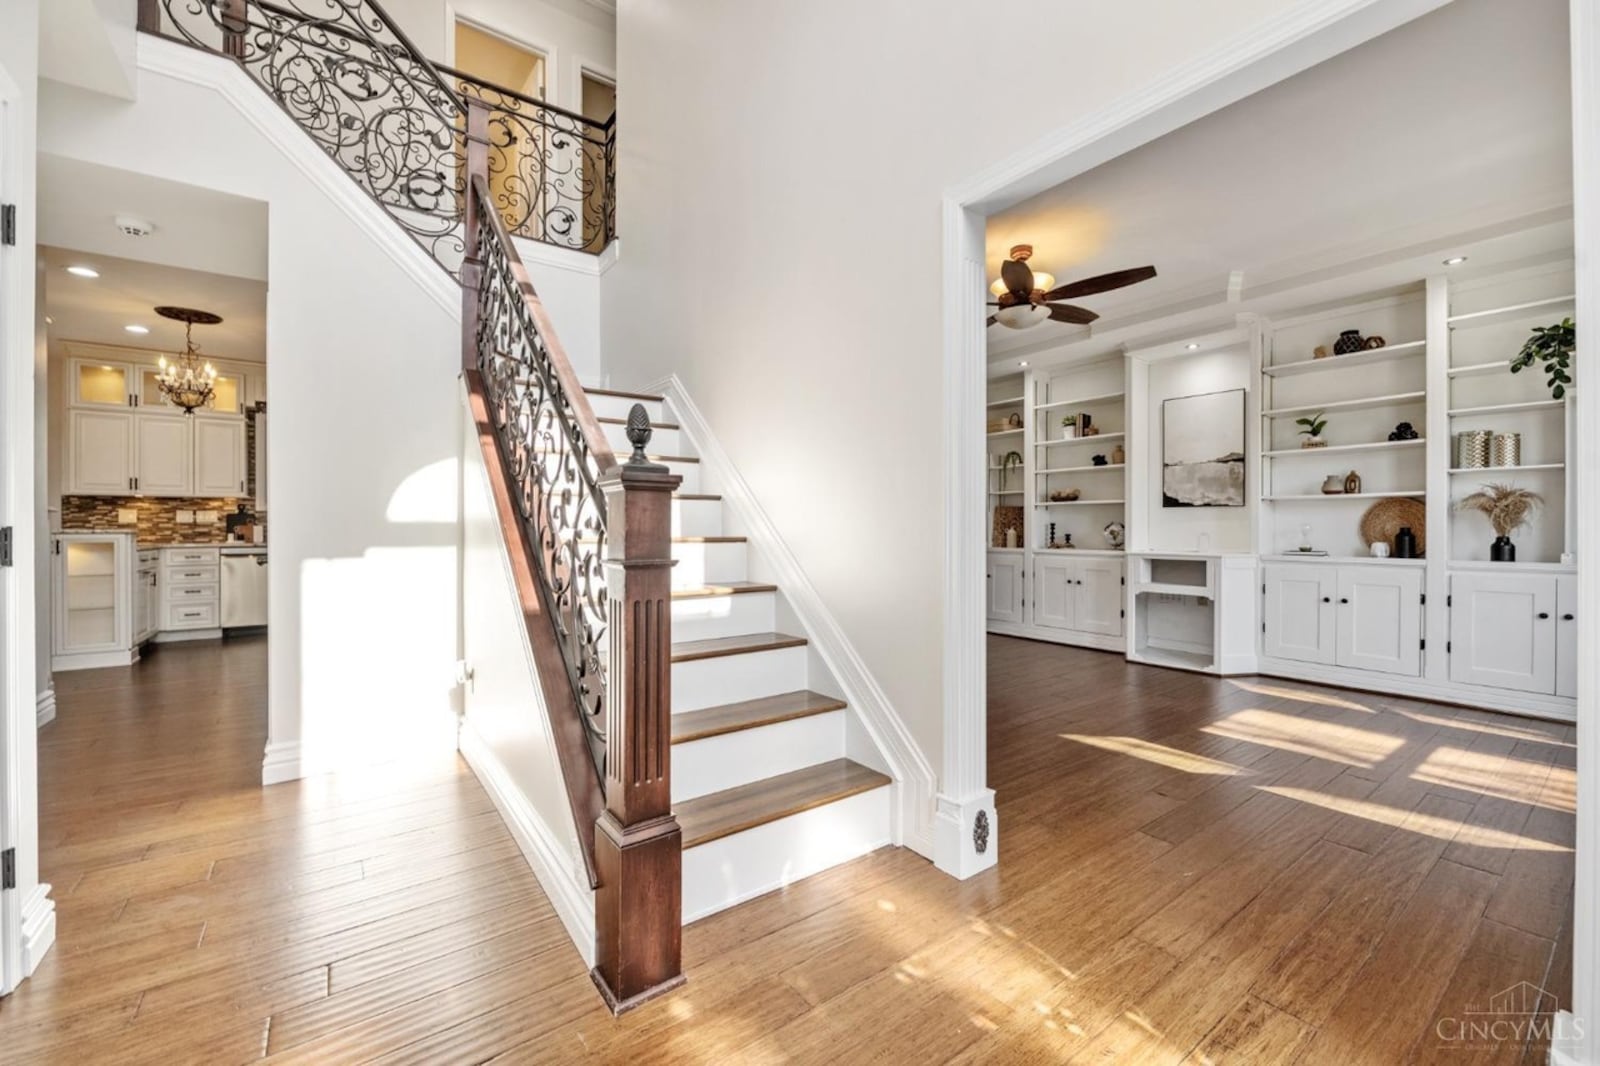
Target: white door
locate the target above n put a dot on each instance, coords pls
(100, 453)
(1099, 595)
(1055, 592)
(1300, 613)
(165, 455)
(1380, 619)
(1567, 636)
(219, 449)
(1005, 588)
(1503, 631)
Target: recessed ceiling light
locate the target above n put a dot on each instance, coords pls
(1455, 260)
(83, 272)
(1022, 362)
(1191, 347)
(137, 329)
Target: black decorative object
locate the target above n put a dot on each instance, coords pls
(1501, 550)
(1052, 534)
(639, 432)
(1404, 431)
(1405, 544)
(1098, 460)
(980, 832)
(1350, 340)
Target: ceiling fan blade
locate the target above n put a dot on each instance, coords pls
(1016, 275)
(1102, 283)
(992, 320)
(1078, 316)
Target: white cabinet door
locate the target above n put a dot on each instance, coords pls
(1055, 593)
(1099, 599)
(165, 454)
(1503, 631)
(1567, 636)
(1005, 588)
(1300, 612)
(97, 384)
(219, 457)
(1380, 619)
(100, 453)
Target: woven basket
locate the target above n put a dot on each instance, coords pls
(1384, 519)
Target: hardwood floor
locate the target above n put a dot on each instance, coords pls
(1193, 871)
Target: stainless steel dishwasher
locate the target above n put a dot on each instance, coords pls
(244, 586)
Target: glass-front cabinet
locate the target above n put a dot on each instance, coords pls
(97, 384)
(93, 599)
(228, 399)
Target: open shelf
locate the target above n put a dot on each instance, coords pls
(1502, 314)
(1183, 660)
(1080, 440)
(1079, 469)
(1398, 399)
(1508, 408)
(1343, 449)
(1007, 402)
(1496, 470)
(1088, 401)
(1004, 432)
(1364, 357)
(1307, 497)
(1480, 368)
(1079, 503)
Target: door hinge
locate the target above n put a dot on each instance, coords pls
(1123, 613)
(8, 224)
(8, 868)
(1447, 647)
(1124, 581)
(5, 546)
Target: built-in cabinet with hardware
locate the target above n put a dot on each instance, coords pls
(147, 596)
(1357, 616)
(92, 578)
(124, 439)
(1080, 593)
(191, 578)
(1005, 587)
(1514, 631)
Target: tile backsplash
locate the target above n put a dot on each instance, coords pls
(156, 519)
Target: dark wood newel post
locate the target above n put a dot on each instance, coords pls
(638, 847)
(149, 16)
(477, 168)
(235, 21)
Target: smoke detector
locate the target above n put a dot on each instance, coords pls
(134, 227)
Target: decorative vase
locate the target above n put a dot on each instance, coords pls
(1352, 483)
(1118, 456)
(1502, 550)
(1405, 544)
(1374, 341)
(1313, 442)
(1333, 485)
(1350, 340)
(1472, 448)
(1506, 450)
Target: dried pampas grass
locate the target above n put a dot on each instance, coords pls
(1505, 506)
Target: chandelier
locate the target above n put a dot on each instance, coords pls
(184, 380)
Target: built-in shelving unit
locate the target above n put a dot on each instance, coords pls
(1366, 357)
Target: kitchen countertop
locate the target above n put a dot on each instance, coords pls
(156, 545)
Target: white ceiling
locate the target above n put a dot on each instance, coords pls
(195, 228)
(1456, 125)
(97, 309)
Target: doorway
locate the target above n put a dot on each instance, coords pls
(599, 107)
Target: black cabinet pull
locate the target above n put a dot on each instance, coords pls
(1567, 617)
(1343, 600)
(1327, 599)
(1543, 615)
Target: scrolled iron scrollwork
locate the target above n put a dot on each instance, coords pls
(554, 474)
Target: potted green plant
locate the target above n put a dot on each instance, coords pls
(1552, 346)
(1314, 425)
(1507, 508)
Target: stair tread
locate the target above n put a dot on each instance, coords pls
(653, 425)
(723, 588)
(750, 714)
(625, 395)
(695, 496)
(744, 644)
(708, 818)
(673, 458)
(710, 540)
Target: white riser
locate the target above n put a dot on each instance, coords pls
(662, 441)
(704, 617)
(740, 867)
(618, 407)
(700, 565)
(733, 759)
(697, 518)
(704, 683)
(689, 472)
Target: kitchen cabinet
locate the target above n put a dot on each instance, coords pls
(1005, 586)
(219, 457)
(163, 455)
(190, 581)
(97, 384)
(1360, 617)
(1567, 636)
(228, 397)
(147, 596)
(1080, 593)
(92, 595)
(100, 452)
(1505, 630)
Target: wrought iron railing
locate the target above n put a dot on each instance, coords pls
(396, 123)
(555, 455)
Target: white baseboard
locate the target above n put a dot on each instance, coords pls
(1527, 704)
(1070, 637)
(281, 762)
(915, 781)
(38, 927)
(45, 708)
(61, 664)
(567, 889)
(179, 636)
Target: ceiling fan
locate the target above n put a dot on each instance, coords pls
(1027, 299)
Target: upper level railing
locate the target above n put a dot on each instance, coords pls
(396, 122)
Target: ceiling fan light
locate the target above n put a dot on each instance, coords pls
(1043, 282)
(1022, 316)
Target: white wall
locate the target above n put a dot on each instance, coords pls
(568, 283)
(779, 179)
(364, 344)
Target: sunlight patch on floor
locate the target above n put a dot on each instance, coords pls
(1324, 699)
(1417, 822)
(1160, 754)
(1501, 776)
(1307, 736)
(1494, 729)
